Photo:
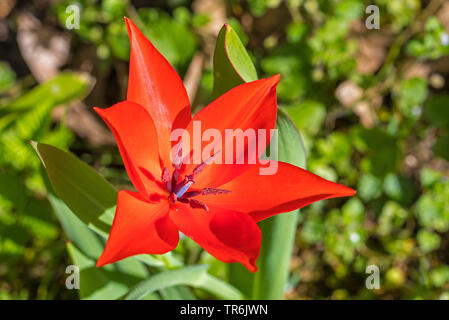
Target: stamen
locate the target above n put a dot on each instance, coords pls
(201, 167)
(191, 194)
(195, 204)
(213, 191)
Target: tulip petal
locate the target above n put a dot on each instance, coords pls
(250, 106)
(136, 138)
(154, 84)
(263, 196)
(229, 236)
(139, 227)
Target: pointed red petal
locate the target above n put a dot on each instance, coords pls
(248, 106)
(136, 138)
(154, 84)
(266, 195)
(139, 227)
(229, 236)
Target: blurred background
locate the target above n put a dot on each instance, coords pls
(372, 106)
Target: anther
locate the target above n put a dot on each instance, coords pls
(183, 200)
(191, 194)
(213, 191)
(195, 204)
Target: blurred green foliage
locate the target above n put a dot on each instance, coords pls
(390, 142)
(30, 241)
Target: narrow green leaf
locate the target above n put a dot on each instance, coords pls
(195, 276)
(177, 293)
(241, 278)
(291, 147)
(220, 289)
(90, 197)
(232, 64)
(78, 233)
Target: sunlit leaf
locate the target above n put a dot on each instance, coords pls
(85, 192)
(232, 64)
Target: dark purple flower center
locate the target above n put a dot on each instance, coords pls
(179, 190)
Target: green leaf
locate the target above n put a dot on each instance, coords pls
(440, 275)
(195, 276)
(399, 188)
(436, 110)
(291, 147)
(232, 64)
(369, 187)
(90, 197)
(63, 88)
(177, 293)
(78, 233)
(428, 240)
(308, 116)
(412, 93)
(376, 143)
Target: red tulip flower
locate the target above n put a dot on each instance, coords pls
(216, 205)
